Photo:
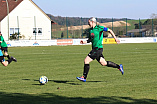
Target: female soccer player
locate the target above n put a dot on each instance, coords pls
(4, 46)
(6, 63)
(96, 38)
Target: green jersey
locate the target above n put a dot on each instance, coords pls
(3, 44)
(96, 36)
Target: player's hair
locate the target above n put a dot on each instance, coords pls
(94, 20)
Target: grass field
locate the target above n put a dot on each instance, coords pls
(62, 64)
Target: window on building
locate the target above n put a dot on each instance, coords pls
(17, 30)
(34, 31)
(37, 31)
(14, 30)
(11, 31)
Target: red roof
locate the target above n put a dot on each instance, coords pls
(12, 5)
(3, 7)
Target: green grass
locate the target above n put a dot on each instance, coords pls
(62, 64)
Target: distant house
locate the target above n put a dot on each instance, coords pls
(137, 32)
(25, 18)
(152, 31)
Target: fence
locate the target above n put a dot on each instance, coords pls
(75, 28)
(121, 27)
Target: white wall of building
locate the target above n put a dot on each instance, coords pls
(27, 16)
(4, 28)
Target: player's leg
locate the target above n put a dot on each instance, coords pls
(114, 65)
(2, 60)
(86, 69)
(13, 58)
(6, 52)
(86, 66)
(90, 57)
(6, 63)
(7, 55)
(103, 62)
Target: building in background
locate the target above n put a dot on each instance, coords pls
(24, 18)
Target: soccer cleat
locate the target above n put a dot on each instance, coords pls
(81, 79)
(14, 59)
(121, 69)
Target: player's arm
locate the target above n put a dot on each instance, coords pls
(85, 42)
(1, 39)
(114, 36)
(112, 33)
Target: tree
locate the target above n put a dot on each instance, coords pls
(149, 22)
(153, 16)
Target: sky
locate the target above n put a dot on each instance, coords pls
(132, 9)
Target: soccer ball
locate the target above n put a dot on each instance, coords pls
(43, 80)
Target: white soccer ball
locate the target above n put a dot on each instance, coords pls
(43, 80)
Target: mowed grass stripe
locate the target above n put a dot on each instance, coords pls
(62, 64)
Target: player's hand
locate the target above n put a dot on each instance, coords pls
(0, 41)
(117, 41)
(81, 42)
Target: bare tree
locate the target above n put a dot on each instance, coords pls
(153, 16)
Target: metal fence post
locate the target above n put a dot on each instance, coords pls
(82, 27)
(152, 28)
(18, 26)
(67, 25)
(139, 27)
(112, 23)
(126, 27)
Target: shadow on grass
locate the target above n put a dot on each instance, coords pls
(57, 81)
(50, 98)
(71, 82)
(64, 82)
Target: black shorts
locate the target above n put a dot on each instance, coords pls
(96, 54)
(2, 59)
(5, 49)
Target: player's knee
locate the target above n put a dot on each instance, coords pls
(5, 65)
(104, 63)
(6, 53)
(86, 61)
